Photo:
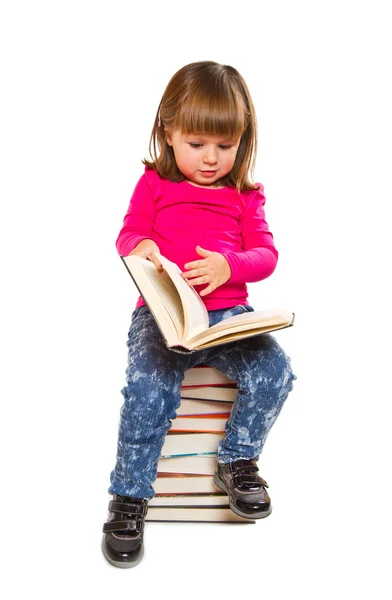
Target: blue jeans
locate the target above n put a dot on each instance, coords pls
(152, 395)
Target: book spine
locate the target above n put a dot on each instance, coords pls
(180, 349)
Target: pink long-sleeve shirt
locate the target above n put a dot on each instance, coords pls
(180, 216)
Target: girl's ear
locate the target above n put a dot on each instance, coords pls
(168, 135)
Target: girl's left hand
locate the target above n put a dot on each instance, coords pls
(213, 269)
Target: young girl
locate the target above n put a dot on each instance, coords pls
(196, 205)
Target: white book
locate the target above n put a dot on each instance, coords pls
(205, 375)
(183, 483)
(191, 500)
(197, 423)
(200, 465)
(203, 514)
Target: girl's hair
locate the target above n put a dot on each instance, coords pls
(211, 99)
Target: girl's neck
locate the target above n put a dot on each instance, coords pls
(205, 187)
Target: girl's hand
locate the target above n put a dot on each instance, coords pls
(213, 269)
(145, 249)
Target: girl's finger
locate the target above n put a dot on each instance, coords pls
(197, 280)
(196, 264)
(156, 262)
(194, 273)
(207, 290)
(203, 251)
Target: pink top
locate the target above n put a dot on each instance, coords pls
(180, 216)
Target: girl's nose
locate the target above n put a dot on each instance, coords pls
(210, 155)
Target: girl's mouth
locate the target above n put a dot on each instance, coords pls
(208, 173)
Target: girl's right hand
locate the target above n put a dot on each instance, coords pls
(145, 249)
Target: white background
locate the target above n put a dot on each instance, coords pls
(81, 82)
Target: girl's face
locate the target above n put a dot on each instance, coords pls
(203, 159)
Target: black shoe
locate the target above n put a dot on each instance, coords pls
(245, 488)
(122, 543)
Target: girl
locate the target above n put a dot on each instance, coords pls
(196, 205)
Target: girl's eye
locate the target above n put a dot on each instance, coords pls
(198, 145)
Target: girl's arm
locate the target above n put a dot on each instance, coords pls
(138, 221)
(259, 257)
(252, 265)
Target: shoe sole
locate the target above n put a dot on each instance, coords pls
(260, 515)
(121, 564)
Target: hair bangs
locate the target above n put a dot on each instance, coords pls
(212, 114)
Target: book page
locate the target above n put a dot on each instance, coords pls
(160, 295)
(252, 322)
(195, 313)
(170, 298)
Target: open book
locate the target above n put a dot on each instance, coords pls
(180, 312)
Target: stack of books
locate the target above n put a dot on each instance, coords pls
(184, 488)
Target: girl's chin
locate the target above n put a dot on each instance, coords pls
(204, 179)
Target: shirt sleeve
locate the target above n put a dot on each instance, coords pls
(137, 225)
(259, 257)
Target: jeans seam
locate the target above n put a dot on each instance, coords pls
(229, 435)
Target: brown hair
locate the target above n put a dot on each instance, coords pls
(211, 99)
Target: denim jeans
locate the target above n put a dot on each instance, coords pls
(152, 395)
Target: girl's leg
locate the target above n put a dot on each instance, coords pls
(264, 377)
(151, 397)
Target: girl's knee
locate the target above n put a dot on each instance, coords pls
(271, 369)
(284, 374)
